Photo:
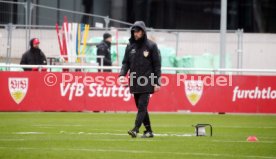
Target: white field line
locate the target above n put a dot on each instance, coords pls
(183, 135)
(59, 125)
(215, 126)
(54, 126)
(177, 135)
(90, 133)
(31, 133)
(128, 140)
(101, 133)
(124, 134)
(265, 142)
(246, 127)
(220, 126)
(140, 152)
(148, 140)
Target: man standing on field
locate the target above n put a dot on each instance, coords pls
(143, 61)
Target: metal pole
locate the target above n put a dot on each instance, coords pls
(223, 25)
(207, 70)
(9, 28)
(28, 20)
(11, 13)
(26, 24)
(177, 44)
(240, 48)
(102, 58)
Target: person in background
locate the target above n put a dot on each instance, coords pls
(33, 56)
(103, 49)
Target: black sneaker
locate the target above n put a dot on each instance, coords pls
(147, 134)
(132, 133)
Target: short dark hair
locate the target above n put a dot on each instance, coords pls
(106, 35)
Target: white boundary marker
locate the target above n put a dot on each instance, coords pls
(102, 133)
(264, 142)
(31, 133)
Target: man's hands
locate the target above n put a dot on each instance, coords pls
(115, 63)
(156, 88)
(123, 81)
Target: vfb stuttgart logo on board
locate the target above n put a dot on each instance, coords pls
(193, 90)
(18, 88)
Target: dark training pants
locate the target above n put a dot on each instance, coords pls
(142, 101)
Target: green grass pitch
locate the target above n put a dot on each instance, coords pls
(104, 135)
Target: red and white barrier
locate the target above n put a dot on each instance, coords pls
(44, 91)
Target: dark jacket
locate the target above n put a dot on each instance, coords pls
(142, 58)
(34, 56)
(103, 49)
